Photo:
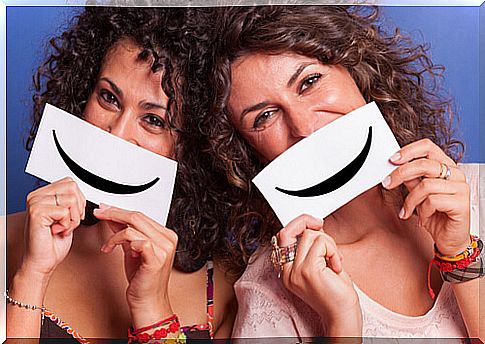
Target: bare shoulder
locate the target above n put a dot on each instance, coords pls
(225, 303)
(15, 241)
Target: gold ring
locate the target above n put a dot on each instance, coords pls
(282, 255)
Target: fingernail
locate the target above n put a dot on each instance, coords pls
(395, 157)
(103, 248)
(386, 182)
(103, 206)
(402, 213)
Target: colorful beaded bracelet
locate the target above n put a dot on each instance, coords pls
(466, 253)
(471, 265)
(163, 329)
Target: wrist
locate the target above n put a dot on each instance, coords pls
(33, 269)
(149, 313)
(29, 287)
(453, 249)
(344, 323)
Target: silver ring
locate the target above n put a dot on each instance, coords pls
(57, 200)
(445, 171)
(448, 172)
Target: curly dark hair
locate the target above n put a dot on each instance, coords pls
(69, 74)
(388, 67)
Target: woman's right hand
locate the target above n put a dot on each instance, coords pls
(317, 277)
(53, 212)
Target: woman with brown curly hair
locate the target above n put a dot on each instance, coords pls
(122, 269)
(276, 75)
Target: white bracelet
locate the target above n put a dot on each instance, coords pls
(25, 305)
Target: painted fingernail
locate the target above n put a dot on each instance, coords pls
(395, 157)
(386, 182)
(402, 213)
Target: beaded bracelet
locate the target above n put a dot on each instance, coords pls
(169, 325)
(466, 253)
(25, 305)
(471, 265)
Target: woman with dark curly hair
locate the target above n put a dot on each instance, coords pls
(277, 74)
(111, 68)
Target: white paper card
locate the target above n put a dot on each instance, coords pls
(326, 170)
(106, 168)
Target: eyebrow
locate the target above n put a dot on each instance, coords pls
(149, 105)
(297, 73)
(115, 88)
(143, 104)
(255, 107)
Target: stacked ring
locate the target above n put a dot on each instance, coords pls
(282, 255)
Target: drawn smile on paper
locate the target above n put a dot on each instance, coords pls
(99, 182)
(337, 180)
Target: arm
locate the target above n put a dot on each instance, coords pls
(53, 213)
(27, 320)
(467, 296)
(442, 203)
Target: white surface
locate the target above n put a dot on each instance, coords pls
(108, 157)
(322, 155)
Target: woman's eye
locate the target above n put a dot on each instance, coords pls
(309, 81)
(262, 117)
(109, 97)
(155, 121)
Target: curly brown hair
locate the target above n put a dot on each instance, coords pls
(69, 74)
(388, 67)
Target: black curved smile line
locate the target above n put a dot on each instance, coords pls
(98, 182)
(338, 179)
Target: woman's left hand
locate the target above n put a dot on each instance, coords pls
(149, 254)
(442, 203)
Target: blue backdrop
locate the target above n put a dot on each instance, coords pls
(453, 32)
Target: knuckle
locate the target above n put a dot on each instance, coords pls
(306, 274)
(428, 143)
(33, 210)
(72, 186)
(173, 237)
(135, 216)
(127, 232)
(425, 184)
(163, 255)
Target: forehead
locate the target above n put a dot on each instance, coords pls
(125, 54)
(269, 62)
(258, 72)
(256, 76)
(123, 66)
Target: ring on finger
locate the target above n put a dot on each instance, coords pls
(445, 171)
(56, 198)
(282, 255)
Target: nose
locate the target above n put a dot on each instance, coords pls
(302, 121)
(123, 126)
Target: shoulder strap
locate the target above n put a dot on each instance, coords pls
(210, 296)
